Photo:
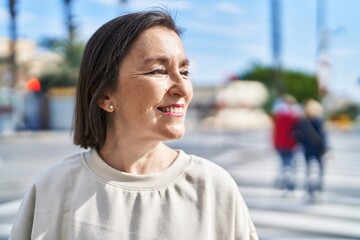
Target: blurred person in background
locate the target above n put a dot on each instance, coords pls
(133, 93)
(286, 113)
(309, 132)
(32, 104)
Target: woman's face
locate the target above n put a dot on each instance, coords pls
(154, 88)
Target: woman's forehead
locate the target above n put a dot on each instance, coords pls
(157, 44)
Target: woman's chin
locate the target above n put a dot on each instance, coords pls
(175, 132)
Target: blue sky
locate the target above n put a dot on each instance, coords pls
(223, 37)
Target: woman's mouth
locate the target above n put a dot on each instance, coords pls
(173, 110)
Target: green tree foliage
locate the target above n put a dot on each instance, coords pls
(60, 77)
(71, 50)
(299, 84)
(66, 73)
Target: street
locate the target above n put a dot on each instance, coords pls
(246, 155)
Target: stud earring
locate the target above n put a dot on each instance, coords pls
(111, 107)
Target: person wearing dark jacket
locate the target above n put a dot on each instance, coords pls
(309, 132)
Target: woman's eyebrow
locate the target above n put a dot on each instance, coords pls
(185, 62)
(164, 59)
(160, 59)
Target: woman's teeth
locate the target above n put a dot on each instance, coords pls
(171, 109)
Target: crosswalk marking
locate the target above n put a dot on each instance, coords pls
(307, 223)
(336, 214)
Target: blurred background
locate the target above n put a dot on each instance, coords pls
(244, 55)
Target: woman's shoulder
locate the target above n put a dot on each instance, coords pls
(207, 164)
(62, 168)
(209, 171)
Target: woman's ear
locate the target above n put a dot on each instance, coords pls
(105, 103)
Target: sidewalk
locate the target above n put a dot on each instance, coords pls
(24, 154)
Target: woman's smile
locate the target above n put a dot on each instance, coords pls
(174, 110)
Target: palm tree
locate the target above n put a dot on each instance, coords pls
(71, 30)
(69, 19)
(13, 37)
(70, 48)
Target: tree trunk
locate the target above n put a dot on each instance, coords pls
(13, 38)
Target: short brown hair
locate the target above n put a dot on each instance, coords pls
(99, 70)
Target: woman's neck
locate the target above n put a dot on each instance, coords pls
(137, 158)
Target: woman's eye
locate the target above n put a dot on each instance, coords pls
(158, 71)
(185, 73)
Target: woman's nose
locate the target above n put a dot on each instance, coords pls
(180, 87)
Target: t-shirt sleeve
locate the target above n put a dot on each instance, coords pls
(244, 227)
(23, 223)
(236, 220)
(253, 233)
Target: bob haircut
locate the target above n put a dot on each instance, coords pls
(99, 70)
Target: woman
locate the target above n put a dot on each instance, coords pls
(133, 93)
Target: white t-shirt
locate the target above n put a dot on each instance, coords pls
(82, 197)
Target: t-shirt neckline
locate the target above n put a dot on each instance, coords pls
(135, 181)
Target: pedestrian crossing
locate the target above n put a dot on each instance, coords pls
(335, 214)
(250, 159)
